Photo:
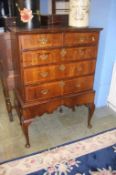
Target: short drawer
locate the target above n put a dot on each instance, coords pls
(78, 85)
(72, 39)
(33, 41)
(40, 57)
(60, 71)
(49, 56)
(59, 88)
(45, 91)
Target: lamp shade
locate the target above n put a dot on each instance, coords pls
(27, 13)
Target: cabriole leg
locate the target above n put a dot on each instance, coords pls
(7, 100)
(9, 108)
(91, 108)
(26, 133)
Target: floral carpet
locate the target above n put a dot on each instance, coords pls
(94, 155)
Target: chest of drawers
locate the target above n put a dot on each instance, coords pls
(53, 67)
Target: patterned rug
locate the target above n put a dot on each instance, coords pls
(94, 155)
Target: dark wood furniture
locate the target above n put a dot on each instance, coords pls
(53, 66)
(59, 14)
(6, 70)
(6, 65)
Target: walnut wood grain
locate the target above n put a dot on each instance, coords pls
(54, 66)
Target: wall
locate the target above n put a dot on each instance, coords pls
(102, 14)
(44, 6)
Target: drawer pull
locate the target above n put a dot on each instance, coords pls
(61, 83)
(44, 92)
(44, 74)
(43, 41)
(63, 52)
(44, 57)
(93, 38)
(62, 67)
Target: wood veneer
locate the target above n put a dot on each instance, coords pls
(54, 66)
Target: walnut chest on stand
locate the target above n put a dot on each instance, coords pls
(53, 66)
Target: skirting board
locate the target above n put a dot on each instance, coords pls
(112, 106)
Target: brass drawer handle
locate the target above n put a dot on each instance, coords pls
(44, 57)
(44, 74)
(61, 83)
(62, 67)
(44, 92)
(93, 38)
(43, 41)
(63, 52)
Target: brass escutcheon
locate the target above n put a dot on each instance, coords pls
(62, 67)
(93, 38)
(63, 52)
(62, 83)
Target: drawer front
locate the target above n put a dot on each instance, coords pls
(78, 85)
(55, 89)
(55, 72)
(72, 39)
(45, 91)
(40, 40)
(42, 57)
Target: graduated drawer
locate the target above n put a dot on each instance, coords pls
(42, 57)
(71, 39)
(78, 85)
(55, 89)
(60, 71)
(40, 40)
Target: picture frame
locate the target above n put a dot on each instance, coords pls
(60, 7)
(59, 13)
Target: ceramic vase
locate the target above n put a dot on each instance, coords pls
(79, 13)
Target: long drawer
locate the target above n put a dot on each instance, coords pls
(58, 88)
(59, 71)
(48, 56)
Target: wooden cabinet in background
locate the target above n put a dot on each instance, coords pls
(6, 69)
(53, 66)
